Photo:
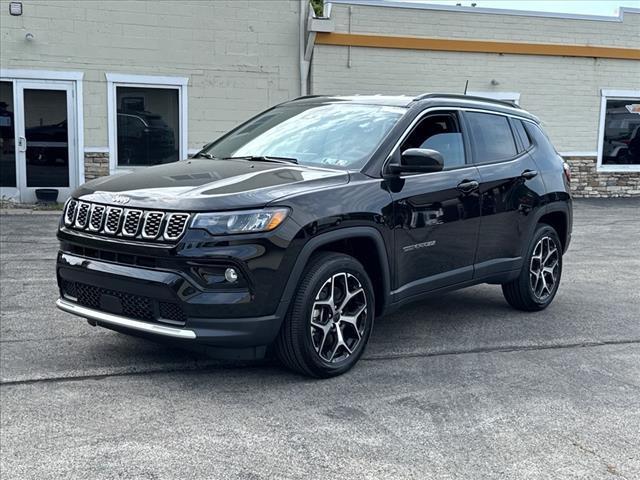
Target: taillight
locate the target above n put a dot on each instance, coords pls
(567, 171)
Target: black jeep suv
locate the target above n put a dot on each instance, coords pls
(299, 227)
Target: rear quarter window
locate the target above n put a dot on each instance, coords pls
(525, 140)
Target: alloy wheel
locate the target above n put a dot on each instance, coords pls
(544, 268)
(338, 317)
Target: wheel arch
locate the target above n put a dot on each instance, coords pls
(560, 217)
(363, 243)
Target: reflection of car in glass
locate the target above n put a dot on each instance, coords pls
(144, 139)
(296, 229)
(48, 144)
(6, 129)
(623, 149)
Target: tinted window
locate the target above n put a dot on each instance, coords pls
(148, 125)
(522, 133)
(492, 137)
(621, 144)
(441, 133)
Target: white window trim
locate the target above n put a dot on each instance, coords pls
(508, 96)
(613, 94)
(151, 81)
(77, 78)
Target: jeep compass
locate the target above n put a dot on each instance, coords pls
(294, 231)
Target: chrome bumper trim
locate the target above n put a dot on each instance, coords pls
(120, 321)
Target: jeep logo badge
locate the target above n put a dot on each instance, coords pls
(120, 199)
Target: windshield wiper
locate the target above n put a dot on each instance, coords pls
(262, 158)
(205, 155)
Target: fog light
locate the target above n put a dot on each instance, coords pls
(231, 275)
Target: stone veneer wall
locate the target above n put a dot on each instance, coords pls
(96, 164)
(586, 181)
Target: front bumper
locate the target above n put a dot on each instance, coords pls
(109, 319)
(130, 299)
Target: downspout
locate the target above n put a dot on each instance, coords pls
(305, 62)
(309, 26)
(304, 65)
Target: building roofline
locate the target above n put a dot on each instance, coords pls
(484, 10)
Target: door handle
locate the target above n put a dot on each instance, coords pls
(529, 174)
(468, 186)
(22, 144)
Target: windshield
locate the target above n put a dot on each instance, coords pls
(333, 135)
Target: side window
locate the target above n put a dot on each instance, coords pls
(492, 137)
(439, 132)
(522, 133)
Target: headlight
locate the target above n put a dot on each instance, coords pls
(245, 221)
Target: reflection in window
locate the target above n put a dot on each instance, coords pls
(7, 137)
(148, 122)
(47, 134)
(492, 137)
(333, 135)
(621, 145)
(440, 133)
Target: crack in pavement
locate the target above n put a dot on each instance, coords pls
(503, 349)
(222, 364)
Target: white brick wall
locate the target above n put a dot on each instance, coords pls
(486, 26)
(241, 56)
(563, 91)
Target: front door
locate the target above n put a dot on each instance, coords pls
(436, 215)
(38, 139)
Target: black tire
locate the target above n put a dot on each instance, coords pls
(298, 342)
(523, 292)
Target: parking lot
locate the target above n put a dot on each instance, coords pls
(460, 386)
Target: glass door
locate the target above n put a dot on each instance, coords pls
(8, 170)
(46, 157)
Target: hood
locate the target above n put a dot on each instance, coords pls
(203, 184)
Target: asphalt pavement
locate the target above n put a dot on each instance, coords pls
(460, 386)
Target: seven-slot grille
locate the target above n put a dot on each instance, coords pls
(125, 222)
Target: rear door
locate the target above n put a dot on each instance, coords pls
(510, 189)
(436, 215)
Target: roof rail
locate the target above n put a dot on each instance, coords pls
(458, 96)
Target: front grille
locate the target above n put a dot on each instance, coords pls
(133, 306)
(152, 223)
(70, 213)
(95, 220)
(83, 215)
(112, 224)
(176, 225)
(131, 223)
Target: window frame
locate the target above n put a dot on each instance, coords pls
(612, 94)
(469, 153)
(115, 80)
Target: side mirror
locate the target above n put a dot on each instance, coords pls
(418, 160)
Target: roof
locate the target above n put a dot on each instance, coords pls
(436, 99)
(385, 100)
